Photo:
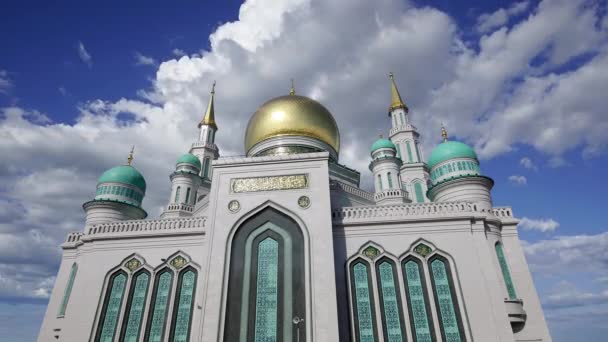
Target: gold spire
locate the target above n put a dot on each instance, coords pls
(396, 101)
(130, 158)
(444, 133)
(209, 118)
(292, 91)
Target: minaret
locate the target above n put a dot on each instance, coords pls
(205, 148)
(414, 173)
(185, 182)
(385, 167)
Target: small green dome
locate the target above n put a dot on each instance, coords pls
(450, 150)
(125, 174)
(189, 158)
(382, 143)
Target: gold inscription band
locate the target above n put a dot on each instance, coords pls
(268, 183)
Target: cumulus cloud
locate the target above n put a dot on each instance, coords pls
(542, 225)
(5, 82)
(144, 60)
(84, 55)
(488, 21)
(512, 89)
(528, 163)
(518, 180)
(567, 295)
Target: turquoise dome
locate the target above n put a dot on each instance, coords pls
(125, 174)
(382, 143)
(189, 158)
(450, 150)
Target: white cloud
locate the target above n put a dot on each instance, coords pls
(178, 52)
(63, 91)
(488, 21)
(5, 82)
(542, 225)
(518, 180)
(84, 55)
(144, 60)
(527, 163)
(566, 295)
(513, 90)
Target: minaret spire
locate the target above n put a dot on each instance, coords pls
(209, 118)
(444, 133)
(396, 101)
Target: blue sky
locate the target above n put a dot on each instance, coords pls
(523, 82)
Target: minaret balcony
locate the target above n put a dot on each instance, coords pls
(180, 207)
(402, 128)
(391, 196)
(204, 144)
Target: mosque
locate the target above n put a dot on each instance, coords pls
(283, 245)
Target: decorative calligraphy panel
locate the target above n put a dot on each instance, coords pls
(270, 183)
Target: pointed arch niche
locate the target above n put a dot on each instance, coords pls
(266, 280)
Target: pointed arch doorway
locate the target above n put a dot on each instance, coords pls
(266, 284)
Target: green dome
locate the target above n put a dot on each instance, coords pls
(382, 143)
(189, 158)
(125, 174)
(450, 150)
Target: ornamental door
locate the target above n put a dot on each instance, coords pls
(266, 292)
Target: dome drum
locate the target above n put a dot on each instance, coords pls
(119, 192)
(281, 145)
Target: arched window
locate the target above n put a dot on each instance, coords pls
(159, 306)
(506, 274)
(184, 303)
(419, 193)
(188, 196)
(177, 194)
(379, 183)
(398, 145)
(446, 302)
(363, 301)
(390, 180)
(110, 311)
(409, 152)
(206, 168)
(266, 287)
(398, 118)
(68, 290)
(136, 302)
(390, 301)
(417, 301)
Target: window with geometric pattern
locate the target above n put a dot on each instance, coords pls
(183, 306)
(68, 291)
(110, 311)
(136, 304)
(363, 301)
(159, 306)
(446, 302)
(417, 300)
(506, 274)
(393, 327)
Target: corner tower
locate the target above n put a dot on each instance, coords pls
(414, 174)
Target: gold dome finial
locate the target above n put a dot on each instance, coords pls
(209, 118)
(292, 91)
(444, 133)
(396, 101)
(130, 158)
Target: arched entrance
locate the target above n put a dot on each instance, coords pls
(266, 292)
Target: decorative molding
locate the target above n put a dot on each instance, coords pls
(423, 249)
(269, 183)
(304, 202)
(133, 264)
(371, 252)
(234, 206)
(178, 262)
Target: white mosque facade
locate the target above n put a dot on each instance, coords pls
(283, 245)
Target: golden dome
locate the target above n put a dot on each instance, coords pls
(292, 115)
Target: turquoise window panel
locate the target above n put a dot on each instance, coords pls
(112, 308)
(267, 290)
(409, 152)
(445, 303)
(137, 299)
(68, 290)
(188, 196)
(419, 193)
(364, 303)
(379, 183)
(390, 180)
(157, 324)
(418, 302)
(391, 314)
(206, 168)
(398, 150)
(177, 194)
(183, 316)
(506, 274)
